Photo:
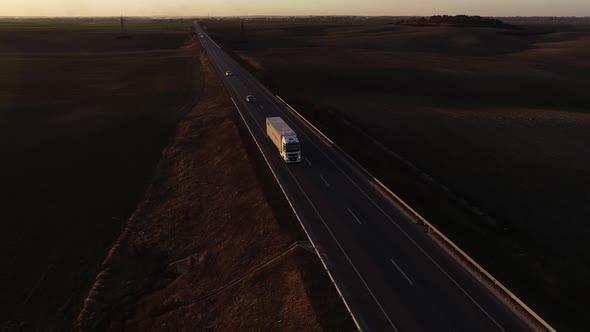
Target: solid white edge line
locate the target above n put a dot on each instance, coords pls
(355, 217)
(323, 179)
(401, 271)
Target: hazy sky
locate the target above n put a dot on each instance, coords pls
(292, 7)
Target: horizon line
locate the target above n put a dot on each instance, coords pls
(299, 16)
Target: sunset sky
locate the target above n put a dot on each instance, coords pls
(292, 7)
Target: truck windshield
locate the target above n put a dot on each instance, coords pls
(292, 147)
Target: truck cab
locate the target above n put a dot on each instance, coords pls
(291, 151)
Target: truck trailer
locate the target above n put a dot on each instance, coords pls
(284, 138)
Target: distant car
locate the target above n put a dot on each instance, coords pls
(250, 98)
(228, 73)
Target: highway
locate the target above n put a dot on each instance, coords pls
(392, 275)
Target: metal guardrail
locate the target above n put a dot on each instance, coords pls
(431, 228)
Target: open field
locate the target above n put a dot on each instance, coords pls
(488, 130)
(84, 117)
(133, 24)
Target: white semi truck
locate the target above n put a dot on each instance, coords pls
(284, 138)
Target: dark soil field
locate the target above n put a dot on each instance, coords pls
(84, 116)
(484, 131)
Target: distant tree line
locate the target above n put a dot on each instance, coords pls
(467, 20)
(459, 20)
(547, 19)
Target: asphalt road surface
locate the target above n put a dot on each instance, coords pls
(392, 274)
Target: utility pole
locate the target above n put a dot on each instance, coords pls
(243, 30)
(123, 30)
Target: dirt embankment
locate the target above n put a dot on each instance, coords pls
(213, 245)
